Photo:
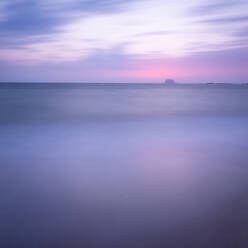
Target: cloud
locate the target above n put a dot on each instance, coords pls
(40, 30)
(119, 38)
(209, 8)
(24, 17)
(30, 17)
(243, 32)
(3, 4)
(148, 29)
(154, 33)
(115, 66)
(227, 20)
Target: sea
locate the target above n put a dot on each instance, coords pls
(123, 165)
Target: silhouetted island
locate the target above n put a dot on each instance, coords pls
(169, 81)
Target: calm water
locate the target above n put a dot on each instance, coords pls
(115, 166)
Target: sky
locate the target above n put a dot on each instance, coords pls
(191, 41)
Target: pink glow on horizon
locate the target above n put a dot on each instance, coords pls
(160, 72)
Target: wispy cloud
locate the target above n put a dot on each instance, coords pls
(215, 7)
(227, 20)
(3, 4)
(45, 32)
(151, 29)
(43, 16)
(243, 32)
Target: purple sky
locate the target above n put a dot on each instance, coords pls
(124, 40)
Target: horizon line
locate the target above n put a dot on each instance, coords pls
(154, 83)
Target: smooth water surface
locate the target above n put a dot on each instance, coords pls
(123, 165)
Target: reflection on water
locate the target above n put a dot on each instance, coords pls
(123, 166)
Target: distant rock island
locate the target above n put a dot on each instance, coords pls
(169, 81)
